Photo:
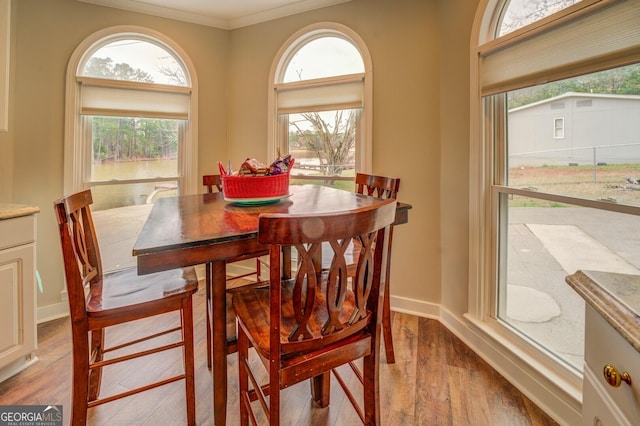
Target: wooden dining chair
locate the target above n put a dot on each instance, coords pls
(308, 326)
(386, 188)
(381, 187)
(98, 301)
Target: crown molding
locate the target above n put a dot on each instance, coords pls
(211, 20)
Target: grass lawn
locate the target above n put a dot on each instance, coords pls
(610, 182)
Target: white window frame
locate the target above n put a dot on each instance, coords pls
(77, 155)
(277, 131)
(558, 128)
(494, 70)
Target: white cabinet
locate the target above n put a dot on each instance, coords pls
(603, 404)
(18, 336)
(611, 386)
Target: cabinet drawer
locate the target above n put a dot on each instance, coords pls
(597, 408)
(17, 231)
(604, 345)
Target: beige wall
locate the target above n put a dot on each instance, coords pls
(457, 19)
(6, 138)
(403, 40)
(45, 33)
(420, 65)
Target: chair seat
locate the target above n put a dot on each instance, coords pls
(126, 290)
(251, 305)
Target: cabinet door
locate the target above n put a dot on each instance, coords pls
(17, 303)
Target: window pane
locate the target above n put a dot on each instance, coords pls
(578, 137)
(134, 148)
(119, 212)
(135, 60)
(544, 242)
(324, 57)
(520, 13)
(107, 197)
(320, 98)
(323, 143)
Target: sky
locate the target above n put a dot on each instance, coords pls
(140, 54)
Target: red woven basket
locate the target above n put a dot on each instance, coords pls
(240, 187)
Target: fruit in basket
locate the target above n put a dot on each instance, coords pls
(253, 167)
(281, 165)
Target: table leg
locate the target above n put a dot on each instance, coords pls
(286, 262)
(217, 283)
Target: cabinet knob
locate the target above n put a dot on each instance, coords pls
(613, 376)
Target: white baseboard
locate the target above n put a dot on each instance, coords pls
(17, 366)
(419, 308)
(52, 312)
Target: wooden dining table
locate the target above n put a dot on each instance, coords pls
(206, 229)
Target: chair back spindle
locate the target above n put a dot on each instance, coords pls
(80, 250)
(334, 233)
(377, 186)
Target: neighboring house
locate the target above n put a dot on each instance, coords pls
(576, 128)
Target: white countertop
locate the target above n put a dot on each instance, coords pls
(9, 211)
(616, 297)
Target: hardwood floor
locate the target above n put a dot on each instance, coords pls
(436, 380)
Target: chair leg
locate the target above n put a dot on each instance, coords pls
(371, 394)
(95, 374)
(80, 391)
(79, 405)
(189, 370)
(386, 327)
(243, 379)
(321, 389)
(274, 396)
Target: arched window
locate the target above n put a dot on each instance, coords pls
(130, 113)
(556, 99)
(320, 104)
(520, 13)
